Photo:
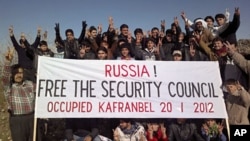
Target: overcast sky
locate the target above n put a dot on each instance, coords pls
(27, 15)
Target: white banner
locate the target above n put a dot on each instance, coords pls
(132, 89)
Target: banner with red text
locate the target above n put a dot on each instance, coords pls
(133, 89)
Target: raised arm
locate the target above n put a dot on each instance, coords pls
(38, 38)
(236, 19)
(245, 96)
(238, 58)
(12, 37)
(185, 19)
(58, 37)
(82, 36)
(9, 55)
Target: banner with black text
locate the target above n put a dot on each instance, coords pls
(133, 89)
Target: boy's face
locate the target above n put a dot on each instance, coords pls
(218, 45)
(177, 57)
(124, 52)
(220, 21)
(150, 45)
(43, 47)
(210, 122)
(231, 88)
(210, 22)
(102, 55)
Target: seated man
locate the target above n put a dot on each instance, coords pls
(128, 130)
(80, 129)
(181, 130)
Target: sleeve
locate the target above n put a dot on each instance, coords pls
(59, 39)
(94, 128)
(245, 96)
(196, 134)
(14, 42)
(204, 135)
(241, 61)
(82, 35)
(171, 133)
(223, 137)
(207, 50)
(235, 23)
(36, 42)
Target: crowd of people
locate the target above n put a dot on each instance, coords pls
(203, 40)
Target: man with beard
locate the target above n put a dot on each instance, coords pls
(71, 44)
(20, 96)
(128, 130)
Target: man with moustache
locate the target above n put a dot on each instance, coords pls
(20, 97)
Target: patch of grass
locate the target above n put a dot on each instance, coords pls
(4, 118)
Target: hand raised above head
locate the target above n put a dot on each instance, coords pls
(99, 28)
(163, 23)
(57, 28)
(84, 24)
(176, 21)
(183, 15)
(9, 55)
(237, 11)
(11, 29)
(39, 30)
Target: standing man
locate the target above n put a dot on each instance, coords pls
(25, 60)
(20, 97)
(71, 45)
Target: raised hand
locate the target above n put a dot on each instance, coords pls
(220, 128)
(159, 44)
(176, 21)
(142, 136)
(57, 29)
(39, 30)
(149, 33)
(163, 130)
(227, 13)
(99, 29)
(205, 128)
(237, 11)
(187, 25)
(191, 50)
(45, 35)
(150, 130)
(111, 21)
(129, 38)
(230, 47)
(9, 55)
(163, 25)
(11, 31)
(183, 15)
(238, 85)
(116, 135)
(84, 24)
